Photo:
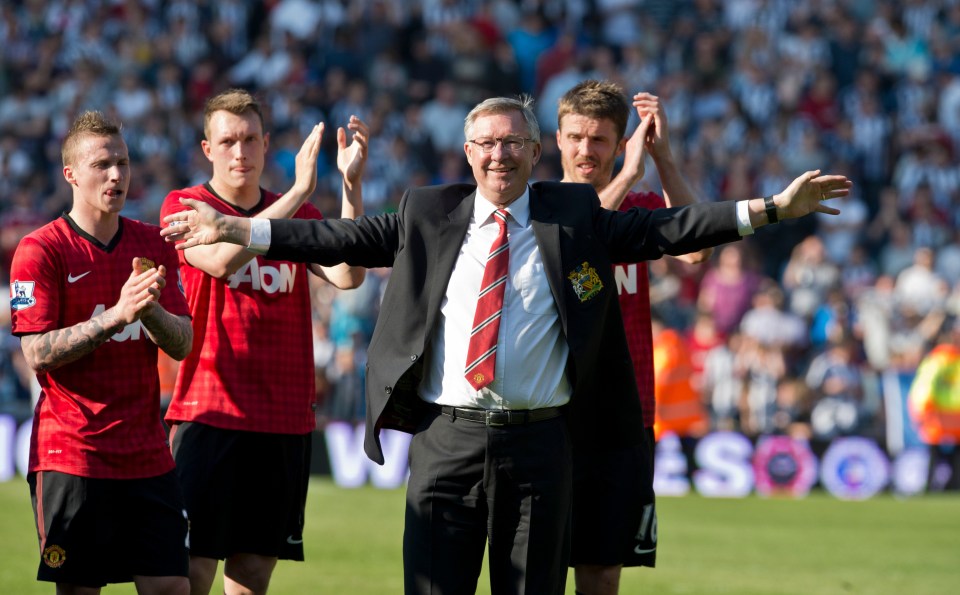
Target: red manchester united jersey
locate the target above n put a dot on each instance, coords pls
(100, 415)
(633, 287)
(251, 367)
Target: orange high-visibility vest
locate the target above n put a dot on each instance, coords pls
(934, 398)
(167, 368)
(679, 407)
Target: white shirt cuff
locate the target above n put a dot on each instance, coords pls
(744, 227)
(259, 236)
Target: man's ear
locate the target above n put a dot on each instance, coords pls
(537, 152)
(266, 142)
(69, 175)
(205, 146)
(621, 146)
(467, 147)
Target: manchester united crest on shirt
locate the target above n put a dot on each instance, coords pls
(585, 280)
(21, 295)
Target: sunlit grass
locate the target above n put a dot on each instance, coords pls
(818, 545)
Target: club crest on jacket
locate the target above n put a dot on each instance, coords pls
(585, 280)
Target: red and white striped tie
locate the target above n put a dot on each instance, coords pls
(482, 351)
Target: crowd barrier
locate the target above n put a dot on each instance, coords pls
(719, 464)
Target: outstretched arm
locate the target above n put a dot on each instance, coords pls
(803, 196)
(223, 260)
(203, 225)
(370, 242)
(352, 162)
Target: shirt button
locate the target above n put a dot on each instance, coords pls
(388, 389)
(413, 357)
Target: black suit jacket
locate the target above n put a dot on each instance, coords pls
(578, 240)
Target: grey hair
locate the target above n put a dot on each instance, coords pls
(504, 105)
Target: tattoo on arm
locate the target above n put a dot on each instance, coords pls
(172, 334)
(60, 347)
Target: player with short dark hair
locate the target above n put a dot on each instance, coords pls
(91, 302)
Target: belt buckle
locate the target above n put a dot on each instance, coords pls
(498, 418)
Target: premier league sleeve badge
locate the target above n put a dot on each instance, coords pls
(21, 295)
(585, 281)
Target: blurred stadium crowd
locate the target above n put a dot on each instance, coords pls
(788, 331)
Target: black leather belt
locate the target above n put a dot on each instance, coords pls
(499, 417)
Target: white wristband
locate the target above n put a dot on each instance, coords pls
(744, 227)
(259, 236)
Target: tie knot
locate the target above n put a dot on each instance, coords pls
(501, 217)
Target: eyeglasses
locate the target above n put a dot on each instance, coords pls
(511, 144)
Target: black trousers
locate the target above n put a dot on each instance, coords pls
(471, 484)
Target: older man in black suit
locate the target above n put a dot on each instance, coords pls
(500, 343)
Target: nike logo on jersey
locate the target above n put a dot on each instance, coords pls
(639, 550)
(293, 541)
(73, 279)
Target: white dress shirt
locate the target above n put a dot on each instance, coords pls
(531, 350)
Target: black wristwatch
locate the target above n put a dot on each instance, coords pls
(771, 209)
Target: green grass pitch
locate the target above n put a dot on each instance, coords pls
(751, 546)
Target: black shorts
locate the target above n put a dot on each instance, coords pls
(614, 508)
(98, 531)
(245, 491)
